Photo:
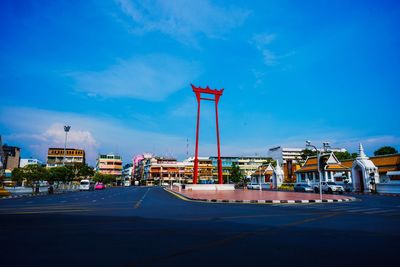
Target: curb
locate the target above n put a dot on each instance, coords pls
(303, 201)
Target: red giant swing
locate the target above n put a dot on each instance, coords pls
(217, 94)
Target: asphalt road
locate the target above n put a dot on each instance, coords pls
(143, 226)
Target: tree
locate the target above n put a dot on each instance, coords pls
(17, 175)
(385, 150)
(85, 170)
(33, 174)
(236, 174)
(103, 178)
(345, 155)
(60, 174)
(81, 170)
(307, 153)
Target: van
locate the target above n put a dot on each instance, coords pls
(86, 185)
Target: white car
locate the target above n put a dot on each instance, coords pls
(330, 187)
(253, 186)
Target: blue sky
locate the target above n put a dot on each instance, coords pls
(119, 73)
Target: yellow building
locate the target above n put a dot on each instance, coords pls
(55, 157)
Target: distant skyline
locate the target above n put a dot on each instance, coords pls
(119, 72)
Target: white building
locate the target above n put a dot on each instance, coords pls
(25, 162)
(282, 154)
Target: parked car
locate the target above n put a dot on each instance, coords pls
(302, 188)
(253, 186)
(99, 186)
(86, 185)
(330, 187)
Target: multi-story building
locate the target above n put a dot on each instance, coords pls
(284, 153)
(139, 162)
(247, 165)
(11, 159)
(205, 170)
(162, 170)
(73, 156)
(127, 173)
(109, 164)
(25, 162)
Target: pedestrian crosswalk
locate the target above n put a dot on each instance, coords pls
(345, 208)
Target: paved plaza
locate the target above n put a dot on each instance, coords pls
(257, 196)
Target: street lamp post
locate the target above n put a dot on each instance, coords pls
(308, 143)
(260, 177)
(66, 130)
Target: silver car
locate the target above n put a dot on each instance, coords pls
(302, 188)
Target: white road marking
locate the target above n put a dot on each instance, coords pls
(346, 208)
(379, 211)
(362, 210)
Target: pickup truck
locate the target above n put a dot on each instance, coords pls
(329, 187)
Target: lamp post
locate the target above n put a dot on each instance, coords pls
(260, 178)
(308, 144)
(66, 130)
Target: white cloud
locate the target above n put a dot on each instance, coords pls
(38, 129)
(182, 19)
(151, 77)
(261, 42)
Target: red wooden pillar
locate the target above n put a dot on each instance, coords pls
(220, 180)
(196, 155)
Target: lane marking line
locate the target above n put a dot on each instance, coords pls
(361, 210)
(379, 211)
(137, 205)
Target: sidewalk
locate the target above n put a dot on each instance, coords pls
(256, 196)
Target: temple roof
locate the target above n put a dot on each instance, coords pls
(327, 162)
